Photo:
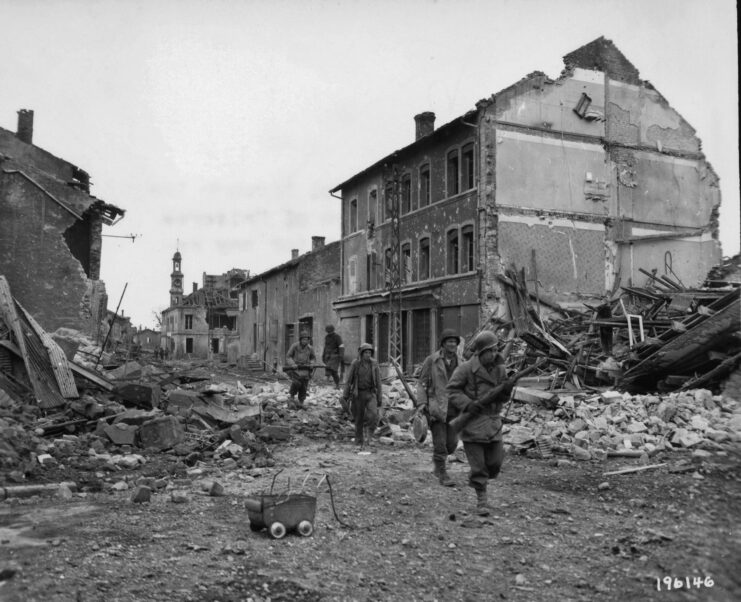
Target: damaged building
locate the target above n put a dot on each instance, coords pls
(201, 324)
(585, 182)
(292, 297)
(51, 233)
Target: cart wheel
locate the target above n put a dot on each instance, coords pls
(305, 528)
(255, 527)
(277, 530)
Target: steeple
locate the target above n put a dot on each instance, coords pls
(176, 281)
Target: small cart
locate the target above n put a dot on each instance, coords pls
(282, 513)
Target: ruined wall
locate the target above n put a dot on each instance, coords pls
(43, 274)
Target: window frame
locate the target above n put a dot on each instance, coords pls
(467, 260)
(468, 167)
(425, 274)
(452, 265)
(353, 214)
(452, 153)
(425, 168)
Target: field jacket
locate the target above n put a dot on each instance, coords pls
(351, 384)
(432, 383)
(472, 382)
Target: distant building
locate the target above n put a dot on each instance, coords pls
(147, 339)
(582, 182)
(50, 234)
(201, 324)
(277, 304)
(120, 334)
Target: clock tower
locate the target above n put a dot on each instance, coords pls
(176, 281)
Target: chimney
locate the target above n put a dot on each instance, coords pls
(294, 253)
(425, 124)
(25, 126)
(317, 242)
(195, 287)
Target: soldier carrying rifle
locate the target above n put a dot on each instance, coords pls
(479, 388)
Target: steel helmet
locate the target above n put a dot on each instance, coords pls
(449, 333)
(485, 340)
(365, 347)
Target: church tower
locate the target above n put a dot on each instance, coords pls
(176, 281)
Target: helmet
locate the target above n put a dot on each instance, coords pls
(329, 328)
(485, 340)
(365, 347)
(449, 333)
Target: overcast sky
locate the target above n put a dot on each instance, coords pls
(220, 125)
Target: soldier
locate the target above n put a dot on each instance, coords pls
(300, 359)
(363, 388)
(333, 355)
(471, 389)
(432, 399)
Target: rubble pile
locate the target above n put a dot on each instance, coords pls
(619, 424)
(660, 337)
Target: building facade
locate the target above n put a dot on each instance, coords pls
(201, 324)
(51, 234)
(278, 304)
(582, 182)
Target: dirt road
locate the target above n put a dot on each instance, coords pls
(556, 536)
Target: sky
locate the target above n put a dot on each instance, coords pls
(221, 125)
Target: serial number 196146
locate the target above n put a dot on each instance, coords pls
(670, 583)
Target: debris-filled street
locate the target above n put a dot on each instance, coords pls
(312, 301)
(140, 489)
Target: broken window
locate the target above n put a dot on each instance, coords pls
(188, 322)
(452, 172)
(387, 264)
(406, 194)
(452, 251)
(406, 262)
(424, 258)
(254, 298)
(582, 106)
(424, 185)
(468, 169)
(353, 226)
(467, 264)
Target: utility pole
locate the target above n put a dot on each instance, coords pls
(393, 263)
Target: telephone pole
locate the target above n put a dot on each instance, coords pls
(393, 266)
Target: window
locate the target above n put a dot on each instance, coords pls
(406, 194)
(188, 345)
(188, 322)
(452, 172)
(424, 258)
(406, 263)
(353, 226)
(467, 264)
(468, 169)
(424, 185)
(372, 207)
(583, 105)
(254, 298)
(388, 206)
(452, 251)
(352, 275)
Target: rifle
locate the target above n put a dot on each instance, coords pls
(459, 422)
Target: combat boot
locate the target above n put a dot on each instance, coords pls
(482, 505)
(445, 479)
